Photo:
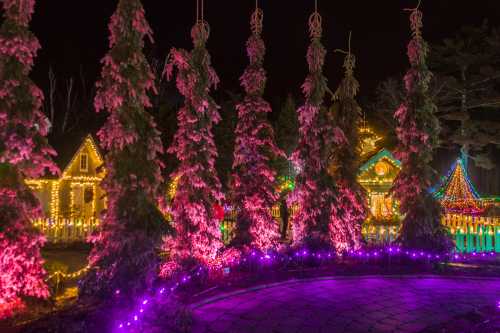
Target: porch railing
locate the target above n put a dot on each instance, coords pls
(66, 230)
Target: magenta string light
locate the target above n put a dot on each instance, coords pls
(324, 256)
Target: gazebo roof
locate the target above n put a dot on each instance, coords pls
(457, 193)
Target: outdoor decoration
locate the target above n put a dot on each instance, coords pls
(349, 207)
(197, 237)
(24, 153)
(314, 187)
(417, 131)
(254, 180)
(458, 195)
(368, 140)
(125, 247)
(76, 193)
(377, 177)
(270, 263)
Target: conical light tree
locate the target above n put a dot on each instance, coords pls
(254, 181)
(197, 226)
(124, 257)
(314, 191)
(349, 208)
(417, 130)
(457, 194)
(24, 153)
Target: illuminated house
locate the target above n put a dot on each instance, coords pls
(377, 176)
(75, 199)
(464, 209)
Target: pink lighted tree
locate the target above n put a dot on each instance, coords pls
(418, 134)
(349, 207)
(124, 254)
(197, 226)
(24, 153)
(314, 191)
(254, 181)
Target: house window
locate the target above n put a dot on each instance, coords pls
(84, 162)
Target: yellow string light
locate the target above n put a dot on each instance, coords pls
(369, 140)
(68, 276)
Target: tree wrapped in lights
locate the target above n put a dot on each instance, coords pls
(349, 207)
(24, 153)
(417, 130)
(254, 181)
(314, 186)
(458, 195)
(124, 255)
(197, 232)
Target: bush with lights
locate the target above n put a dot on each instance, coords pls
(418, 134)
(349, 208)
(124, 253)
(198, 192)
(24, 153)
(314, 186)
(254, 180)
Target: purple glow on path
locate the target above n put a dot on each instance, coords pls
(386, 302)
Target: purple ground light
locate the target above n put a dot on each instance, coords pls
(355, 304)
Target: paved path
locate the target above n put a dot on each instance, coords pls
(369, 304)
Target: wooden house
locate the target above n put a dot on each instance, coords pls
(75, 198)
(377, 176)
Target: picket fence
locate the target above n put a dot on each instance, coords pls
(66, 230)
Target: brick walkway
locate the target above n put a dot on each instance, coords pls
(369, 304)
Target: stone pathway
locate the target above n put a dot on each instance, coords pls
(359, 304)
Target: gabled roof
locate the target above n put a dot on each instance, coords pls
(383, 153)
(87, 142)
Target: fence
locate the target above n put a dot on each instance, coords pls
(474, 233)
(470, 233)
(228, 226)
(66, 230)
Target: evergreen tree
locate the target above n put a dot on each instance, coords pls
(287, 128)
(348, 210)
(124, 255)
(314, 186)
(224, 134)
(468, 73)
(464, 86)
(24, 153)
(418, 130)
(254, 180)
(287, 135)
(197, 238)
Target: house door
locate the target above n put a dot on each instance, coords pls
(88, 199)
(83, 201)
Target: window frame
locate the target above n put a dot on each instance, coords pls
(86, 168)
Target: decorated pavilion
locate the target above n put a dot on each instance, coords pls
(467, 213)
(376, 176)
(473, 220)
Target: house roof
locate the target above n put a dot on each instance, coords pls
(68, 149)
(378, 156)
(89, 139)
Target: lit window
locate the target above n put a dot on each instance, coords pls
(84, 162)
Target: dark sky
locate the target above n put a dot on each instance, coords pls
(74, 34)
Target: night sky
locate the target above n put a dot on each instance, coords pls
(74, 37)
(74, 34)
